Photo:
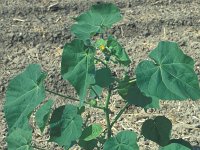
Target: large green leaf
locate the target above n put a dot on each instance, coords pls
(157, 130)
(19, 140)
(96, 20)
(125, 140)
(175, 146)
(65, 125)
(118, 51)
(129, 91)
(23, 95)
(170, 71)
(78, 67)
(42, 114)
(91, 132)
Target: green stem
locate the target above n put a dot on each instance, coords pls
(132, 81)
(101, 61)
(119, 114)
(72, 98)
(64, 96)
(95, 92)
(107, 111)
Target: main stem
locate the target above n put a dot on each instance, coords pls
(107, 111)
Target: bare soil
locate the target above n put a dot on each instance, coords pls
(35, 32)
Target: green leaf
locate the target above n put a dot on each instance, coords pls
(96, 20)
(103, 77)
(65, 125)
(88, 145)
(157, 130)
(19, 140)
(125, 140)
(118, 51)
(93, 102)
(129, 91)
(23, 95)
(78, 67)
(42, 114)
(91, 132)
(182, 142)
(174, 146)
(170, 71)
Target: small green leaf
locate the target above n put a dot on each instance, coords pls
(19, 140)
(129, 91)
(91, 132)
(103, 77)
(170, 71)
(78, 67)
(65, 125)
(125, 140)
(93, 102)
(42, 114)
(88, 145)
(25, 92)
(118, 51)
(175, 146)
(96, 20)
(157, 130)
(182, 142)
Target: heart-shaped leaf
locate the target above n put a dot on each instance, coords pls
(170, 71)
(118, 51)
(78, 67)
(42, 114)
(125, 140)
(175, 146)
(96, 20)
(25, 92)
(157, 130)
(19, 140)
(65, 125)
(91, 132)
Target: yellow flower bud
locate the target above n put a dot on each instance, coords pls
(102, 47)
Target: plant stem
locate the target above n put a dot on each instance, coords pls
(101, 61)
(95, 92)
(72, 98)
(107, 111)
(64, 96)
(119, 114)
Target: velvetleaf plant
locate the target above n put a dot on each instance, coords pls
(168, 69)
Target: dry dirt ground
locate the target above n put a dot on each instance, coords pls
(34, 31)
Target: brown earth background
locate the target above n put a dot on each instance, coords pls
(34, 31)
